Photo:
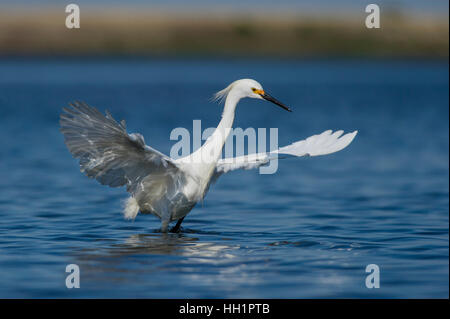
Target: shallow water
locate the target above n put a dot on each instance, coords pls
(310, 230)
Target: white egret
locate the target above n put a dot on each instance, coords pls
(163, 186)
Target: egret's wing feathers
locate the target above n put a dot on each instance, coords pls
(107, 152)
(242, 162)
(321, 144)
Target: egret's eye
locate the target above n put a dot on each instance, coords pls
(260, 92)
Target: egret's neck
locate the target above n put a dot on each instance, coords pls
(213, 146)
(228, 113)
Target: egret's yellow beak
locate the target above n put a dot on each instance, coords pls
(270, 98)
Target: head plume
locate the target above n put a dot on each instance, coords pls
(222, 94)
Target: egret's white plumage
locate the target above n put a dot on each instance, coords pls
(158, 184)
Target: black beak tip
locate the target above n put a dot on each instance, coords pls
(269, 98)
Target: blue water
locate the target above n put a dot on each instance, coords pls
(310, 230)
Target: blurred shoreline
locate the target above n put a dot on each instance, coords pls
(215, 34)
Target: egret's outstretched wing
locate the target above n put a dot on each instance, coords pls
(111, 155)
(321, 144)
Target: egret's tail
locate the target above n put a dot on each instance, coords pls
(131, 208)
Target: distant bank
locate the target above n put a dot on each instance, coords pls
(262, 35)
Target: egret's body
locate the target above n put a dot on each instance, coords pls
(158, 184)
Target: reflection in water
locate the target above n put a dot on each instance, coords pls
(149, 259)
(144, 263)
(159, 244)
(172, 244)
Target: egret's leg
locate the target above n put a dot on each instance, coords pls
(176, 228)
(164, 225)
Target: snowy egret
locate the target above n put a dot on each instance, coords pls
(163, 186)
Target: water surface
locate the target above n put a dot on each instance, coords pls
(310, 230)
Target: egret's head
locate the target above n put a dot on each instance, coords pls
(248, 88)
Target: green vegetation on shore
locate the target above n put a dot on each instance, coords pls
(144, 33)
